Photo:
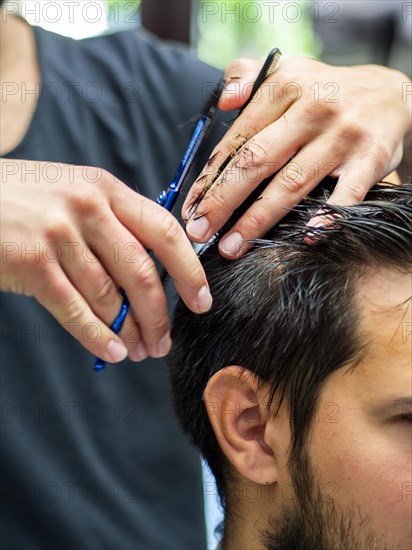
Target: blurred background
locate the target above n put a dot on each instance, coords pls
(341, 32)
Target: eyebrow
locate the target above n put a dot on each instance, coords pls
(402, 404)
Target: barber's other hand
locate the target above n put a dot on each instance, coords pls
(71, 236)
(350, 123)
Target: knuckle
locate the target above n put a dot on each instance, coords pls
(356, 190)
(106, 292)
(352, 131)
(253, 224)
(146, 275)
(320, 112)
(195, 273)
(252, 154)
(292, 178)
(161, 324)
(73, 310)
(217, 201)
(169, 229)
(380, 153)
(191, 276)
(291, 89)
(58, 228)
(84, 202)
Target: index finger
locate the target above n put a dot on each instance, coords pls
(268, 105)
(160, 232)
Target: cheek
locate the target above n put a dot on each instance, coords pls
(357, 470)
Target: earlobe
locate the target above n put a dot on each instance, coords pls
(237, 410)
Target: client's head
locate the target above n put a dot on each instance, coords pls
(296, 386)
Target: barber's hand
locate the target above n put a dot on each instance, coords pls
(349, 123)
(72, 236)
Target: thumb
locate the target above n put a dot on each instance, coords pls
(240, 76)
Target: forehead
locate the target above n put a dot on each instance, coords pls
(383, 299)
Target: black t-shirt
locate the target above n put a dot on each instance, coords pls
(93, 461)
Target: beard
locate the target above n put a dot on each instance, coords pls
(314, 522)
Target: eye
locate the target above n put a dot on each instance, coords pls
(406, 418)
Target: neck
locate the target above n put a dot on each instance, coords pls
(246, 516)
(19, 78)
(17, 50)
(240, 535)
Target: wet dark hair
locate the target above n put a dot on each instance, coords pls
(287, 310)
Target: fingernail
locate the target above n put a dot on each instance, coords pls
(141, 352)
(232, 244)
(198, 228)
(204, 299)
(163, 347)
(316, 222)
(190, 211)
(116, 351)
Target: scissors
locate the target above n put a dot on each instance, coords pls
(267, 70)
(169, 197)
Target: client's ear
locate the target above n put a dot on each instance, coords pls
(237, 409)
